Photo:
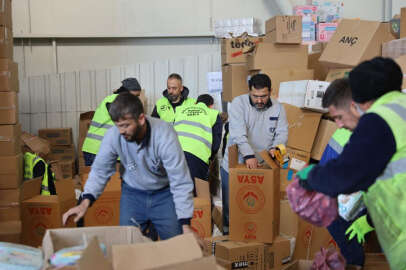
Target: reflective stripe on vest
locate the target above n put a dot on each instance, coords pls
(100, 123)
(386, 198)
(339, 140)
(193, 125)
(165, 109)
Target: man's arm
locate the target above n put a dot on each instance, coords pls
(180, 182)
(217, 131)
(155, 113)
(238, 129)
(363, 159)
(282, 128)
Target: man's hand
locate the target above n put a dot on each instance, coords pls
(79, 211)
(272, 152)
(188, 229)
(251, 163)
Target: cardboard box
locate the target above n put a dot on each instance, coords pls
(402, 63)
(10, 231)
(105, 211)
(11, 171)
(311, 239)
(403, 22)
(62, 152)
(8, 108)
(64, 169)
(254, 200)
(239, 255)
(234, 81)
(307, 94)
(57, 136)
(56, 239)
(299, 265)
(211, 242)
(5, 13)
(36, 144)
(289, 224)
(151, 255)
(40, 213)
(6, 44)
(201, 221)
(376, 261)
(320, 71)
(276, 253)
(8, 73)
(297, 160)
(284, 29)
(324, 134)
(217, 217)
(303, 127)
(10, 143)
(324, 31)
(233, 50)
(355, 41)
(284, 75)
(10, 200)
(277, 56)
(84, 124)
(394, 48)
(337, 73)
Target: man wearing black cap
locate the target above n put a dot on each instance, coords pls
(374, 160)
(101, 121)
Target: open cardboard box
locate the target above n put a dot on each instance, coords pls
(40, 213)
(201, 222)
(254, 200)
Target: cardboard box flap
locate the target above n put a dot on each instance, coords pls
(232, 156)
(31, 188)
(179, 249)
(202, 189)
(65, 189)
(93, 258)
(36, 144)
(206, 263)
(268, 160)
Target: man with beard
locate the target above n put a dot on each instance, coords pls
(157, 188)
(257, 122)
(175, 95)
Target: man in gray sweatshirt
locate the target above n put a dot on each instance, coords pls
(257, 122)
(157, 187)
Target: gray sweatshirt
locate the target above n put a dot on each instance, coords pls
(252, 130)
(158, 161)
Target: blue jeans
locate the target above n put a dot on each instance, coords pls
(225, 198)
(352, 251)
(142, 208)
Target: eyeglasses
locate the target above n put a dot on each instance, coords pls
(265, 97)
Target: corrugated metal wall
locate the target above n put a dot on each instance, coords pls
(57, 100)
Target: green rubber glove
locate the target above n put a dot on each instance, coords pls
(359, 228)
(304, 173)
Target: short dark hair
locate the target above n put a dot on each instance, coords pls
(206, 99)
(259, 81)
(338, 94)
(126, 104)
(175, 76)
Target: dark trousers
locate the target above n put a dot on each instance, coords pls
(352, 251)
(197, 167)
(89, 158)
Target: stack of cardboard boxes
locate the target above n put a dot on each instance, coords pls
(11, 159)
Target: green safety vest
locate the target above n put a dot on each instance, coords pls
(339, 139)
(30, 160)
(386, 198)
(165, 109)
(101, 122)
(194, 124)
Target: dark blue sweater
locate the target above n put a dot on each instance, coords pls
(363, 159)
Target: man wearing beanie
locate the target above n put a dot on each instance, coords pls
(101, 120)
(374, 160)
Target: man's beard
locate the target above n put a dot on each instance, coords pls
(133, 138)
(173, 98)
(259, 106)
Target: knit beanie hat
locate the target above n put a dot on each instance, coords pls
(374, 78)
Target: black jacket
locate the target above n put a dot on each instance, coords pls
(184, 95)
